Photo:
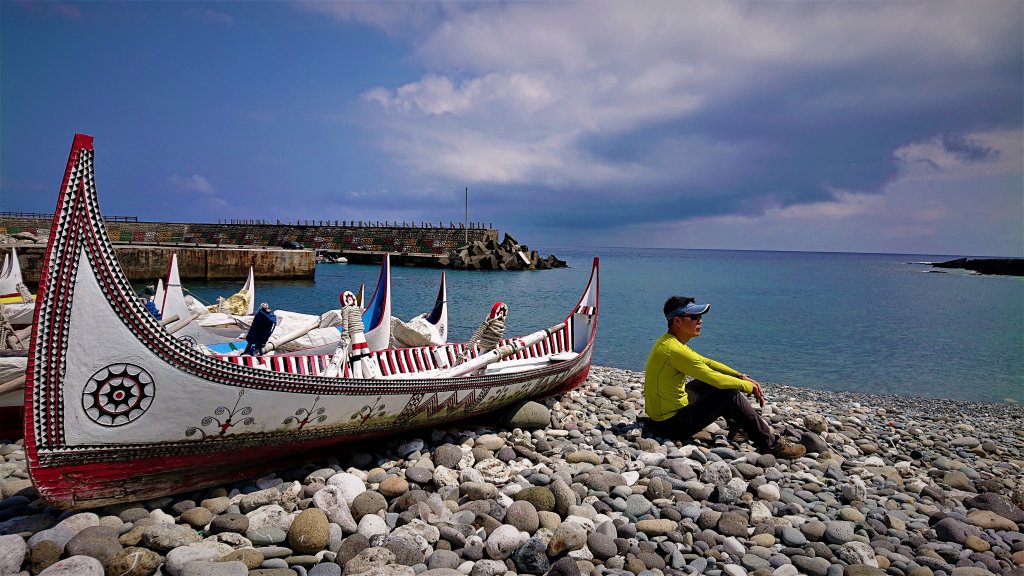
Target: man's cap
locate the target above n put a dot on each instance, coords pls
(692, 308)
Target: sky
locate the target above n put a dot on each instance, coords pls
(892, 127)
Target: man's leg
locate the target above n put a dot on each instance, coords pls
(715, 402)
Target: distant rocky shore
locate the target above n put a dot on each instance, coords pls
(890, 485)
(1000, 266)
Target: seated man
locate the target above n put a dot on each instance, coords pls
(667, 403)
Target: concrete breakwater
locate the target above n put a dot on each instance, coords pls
(345, 236)
(147, 263)
(226, 250)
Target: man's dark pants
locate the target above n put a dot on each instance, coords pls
(711, 403)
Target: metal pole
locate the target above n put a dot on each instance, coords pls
(467, 214)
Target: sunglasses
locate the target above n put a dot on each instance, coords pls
(694, 317)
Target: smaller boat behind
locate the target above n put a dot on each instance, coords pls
(12, 285)
(18, 302)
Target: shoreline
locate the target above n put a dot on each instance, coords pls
(1006, 408)
(895, 485)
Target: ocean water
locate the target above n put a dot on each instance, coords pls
(878, 323)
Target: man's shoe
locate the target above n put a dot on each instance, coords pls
(787, 450)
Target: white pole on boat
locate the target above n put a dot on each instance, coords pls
(500, 352)
(170, 319)
(274, 345)
(13, 384)
(467, 214)
(183, 323)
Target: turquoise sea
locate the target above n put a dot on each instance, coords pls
(878, 323)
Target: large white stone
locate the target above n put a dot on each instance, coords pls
(419, 528)
(332, 502)
(651, 458)
(494, 471)
(759, 513)
(161, 517)
(503, 541)
(445, 477)
(349, 484)
(371, 525)
(177, 558)
(269, 516)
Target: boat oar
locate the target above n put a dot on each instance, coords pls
(274, 345)
(500, 352)
(183, 323)
(12, 385)
(170, 319)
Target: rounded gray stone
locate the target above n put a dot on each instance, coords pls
(12, 553)
(325, 569)
(443, 559)
(601, 545)
(448, 455)
(419, 475)
(523, 515)
(75, 566)
(369, 502)
(230, 522)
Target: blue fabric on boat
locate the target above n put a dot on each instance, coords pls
(263, 324)
(152, 309)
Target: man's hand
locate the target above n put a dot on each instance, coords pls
(758, 392)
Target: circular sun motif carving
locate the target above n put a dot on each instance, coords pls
(118, 394)
(348, 298)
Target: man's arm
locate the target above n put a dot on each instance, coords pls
(696, 366)
(758, 391)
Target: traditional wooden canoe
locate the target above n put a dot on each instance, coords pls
(10, 277)
(117, 409)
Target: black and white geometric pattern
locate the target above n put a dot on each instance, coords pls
(118, 394)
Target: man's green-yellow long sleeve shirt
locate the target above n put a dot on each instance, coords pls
(668, 365)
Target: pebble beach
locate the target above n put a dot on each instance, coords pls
(575, 485)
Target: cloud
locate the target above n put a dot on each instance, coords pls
(999, 152)
(735, 107)
(664, 114)
(198, 185)
(194, 183)
(943, 202)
